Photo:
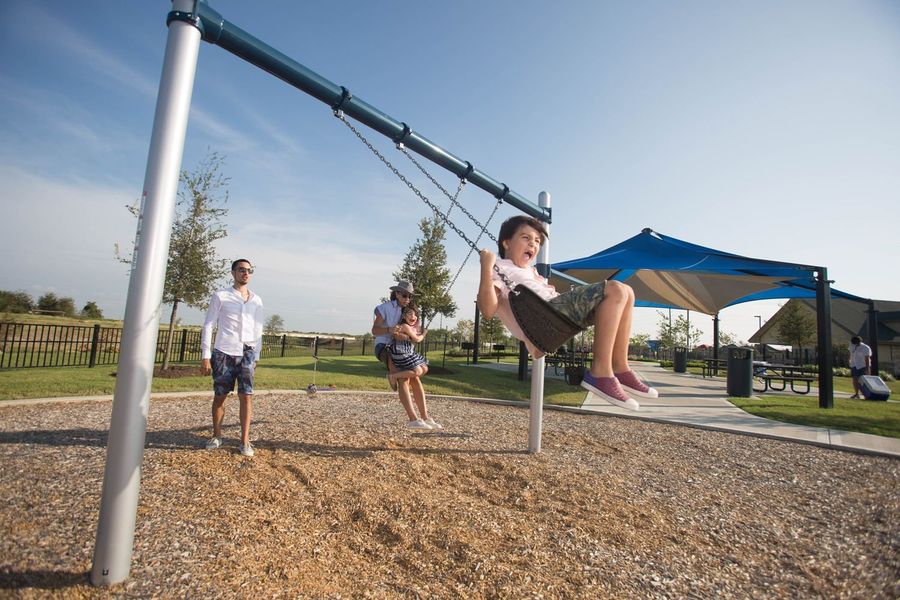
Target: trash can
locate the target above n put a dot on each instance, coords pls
(740, 372)
(680, 361)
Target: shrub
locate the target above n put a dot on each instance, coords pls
(15, 302)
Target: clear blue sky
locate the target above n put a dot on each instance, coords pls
(765, 128)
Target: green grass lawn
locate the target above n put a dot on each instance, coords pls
(864, 416)
(346, 373)
(365, 373)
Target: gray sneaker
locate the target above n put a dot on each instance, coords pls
(418, 424)
(433, 424)
(246, 450)
(213, 443)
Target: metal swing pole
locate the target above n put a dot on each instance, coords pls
(536, 411)
(131, 401)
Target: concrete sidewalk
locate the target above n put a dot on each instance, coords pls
(691, 400)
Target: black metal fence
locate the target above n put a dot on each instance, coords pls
(41, 345)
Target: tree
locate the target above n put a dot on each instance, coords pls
(194, 269)
(686, 333)
(51, 303)
(795, 327)
(667, 335)
(585, 340)
(16, 302)
(425, 265)
(639, 340)
(492, 331)
(464, 330)
(91, 311)
(274, 325)
(729, 339)
(679, 333)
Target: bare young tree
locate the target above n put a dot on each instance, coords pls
(194, 269)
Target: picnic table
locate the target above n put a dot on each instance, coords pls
(571, 365)
(770, 375)
(712, 366)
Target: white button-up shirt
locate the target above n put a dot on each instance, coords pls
(239, 323)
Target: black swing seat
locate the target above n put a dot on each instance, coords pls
(546, 327)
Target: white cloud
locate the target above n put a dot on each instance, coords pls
(62, 234)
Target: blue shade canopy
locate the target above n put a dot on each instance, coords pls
(796, 288)
(669, 273)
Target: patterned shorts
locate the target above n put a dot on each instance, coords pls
(580, 303)
(227, 369)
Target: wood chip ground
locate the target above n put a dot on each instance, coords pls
(341, 501)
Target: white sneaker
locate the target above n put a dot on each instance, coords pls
(433, 424)
(213, 443)
(246, 450)
(418, 424)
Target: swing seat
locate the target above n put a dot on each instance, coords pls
(546, 327)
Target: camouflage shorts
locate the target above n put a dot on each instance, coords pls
(580, 303)
(226, 370)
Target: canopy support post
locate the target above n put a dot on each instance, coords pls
(823, 323)
(716, 337)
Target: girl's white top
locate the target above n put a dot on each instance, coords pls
(528, 277)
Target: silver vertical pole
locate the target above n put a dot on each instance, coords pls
(131, 402)
(536, 413)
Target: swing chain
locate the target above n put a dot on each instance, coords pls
(409, 184)
(472, 245)
(473, 248)
(459, 187)
(454, 202)
(453, 199)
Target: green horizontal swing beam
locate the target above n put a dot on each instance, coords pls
(218, 31)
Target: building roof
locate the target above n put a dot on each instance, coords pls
(848, 318)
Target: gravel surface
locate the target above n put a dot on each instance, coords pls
(341, 501)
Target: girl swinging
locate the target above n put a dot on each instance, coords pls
(607, 306)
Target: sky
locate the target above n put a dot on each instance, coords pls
(767, 128)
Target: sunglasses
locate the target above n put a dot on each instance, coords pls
(245, 270)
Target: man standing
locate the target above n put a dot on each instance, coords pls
(237, 313)
(860, 361)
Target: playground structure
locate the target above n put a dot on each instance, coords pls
(189, 22)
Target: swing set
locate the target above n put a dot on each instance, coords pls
(189, 22)
(547, 328)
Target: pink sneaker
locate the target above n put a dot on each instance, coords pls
(608, 389)
(634, 386)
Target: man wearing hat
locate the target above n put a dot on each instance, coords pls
(387, 316)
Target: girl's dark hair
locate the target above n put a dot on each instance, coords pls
(856, 340)
(511, 226)
(411, 308)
